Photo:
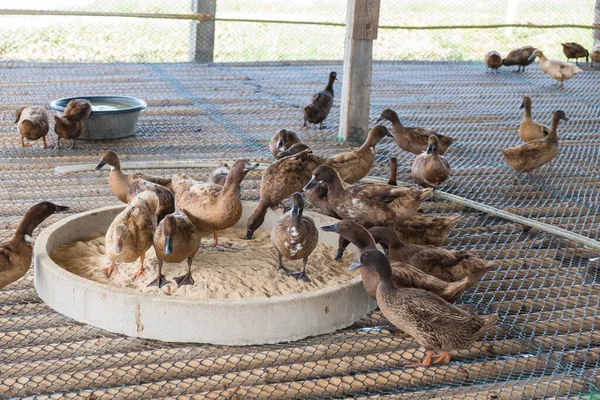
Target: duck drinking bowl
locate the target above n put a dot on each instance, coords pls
(113, 117)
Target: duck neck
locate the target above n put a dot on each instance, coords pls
(395, 120)
(27, 225)
(385, 277)
(335, 185)
(370, 143)
(361, 239)
(231, 184)
(329, 87)
(528, 110)
(552, 136)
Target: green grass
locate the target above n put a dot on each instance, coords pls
(142, 40)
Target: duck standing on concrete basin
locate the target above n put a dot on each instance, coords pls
(131, 233)
(295, 236)
(175, 239)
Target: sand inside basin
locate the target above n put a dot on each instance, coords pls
(244, 269)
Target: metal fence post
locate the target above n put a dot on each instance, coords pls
(202, 33)
(362, 22)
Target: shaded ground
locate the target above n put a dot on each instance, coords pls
(544, 288)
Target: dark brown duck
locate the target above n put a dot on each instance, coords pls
(320, 104)
(433, 322)
(295, 237)
(448, 265)
(403, 274)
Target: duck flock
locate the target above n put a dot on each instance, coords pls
(414, 280)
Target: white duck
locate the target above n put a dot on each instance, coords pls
(559, 70)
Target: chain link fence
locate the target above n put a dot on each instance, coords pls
(280, 30)
(544, 288)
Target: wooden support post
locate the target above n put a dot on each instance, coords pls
(202, 33)
(362, 22)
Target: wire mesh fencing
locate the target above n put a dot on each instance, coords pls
(544, 288)
(248, 31)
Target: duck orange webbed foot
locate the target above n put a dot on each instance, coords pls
(108, 271)
(426, 361)
(160, 281)
(184, 280)
(138, 273)
(444, 358)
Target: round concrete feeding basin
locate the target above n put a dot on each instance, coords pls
(242, 321)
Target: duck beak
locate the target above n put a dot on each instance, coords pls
(430, 149)
(168, 245)
(285, 153)
(280, 144)
(311, 184)
(329, 228)
(380, 119)
(101, 164)
(565, 118)
(388, 134)
(522, 106)
(531, 57)
(249, 167)
(357, 264)
(295, 211)
(61, 208)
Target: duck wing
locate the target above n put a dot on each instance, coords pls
(440, 315)
(159, 180)
(379, 192)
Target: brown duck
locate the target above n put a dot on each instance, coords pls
(426, 229)
(576, 51)
(72, 123)
(352, 166)
(166, 200)
(320, 104)
(118, 182)
(447, 265)
(295, 237)
(429, 169)
(520, 57)
(529, 129)
(219, 176)
(369, 204)
(493, 61)
(32, 124)
(531, 155)
(283, 140)
(131, 233)
(429, 319)
(16, 253)
(214, 207)
(175, 239)
(317, 196)
(403, 274)
(279, 181)
(413, 139)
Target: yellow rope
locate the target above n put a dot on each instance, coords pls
(207, 17)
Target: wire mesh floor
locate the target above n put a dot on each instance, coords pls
(545, 288)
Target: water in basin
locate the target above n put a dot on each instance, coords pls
(108, 106)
